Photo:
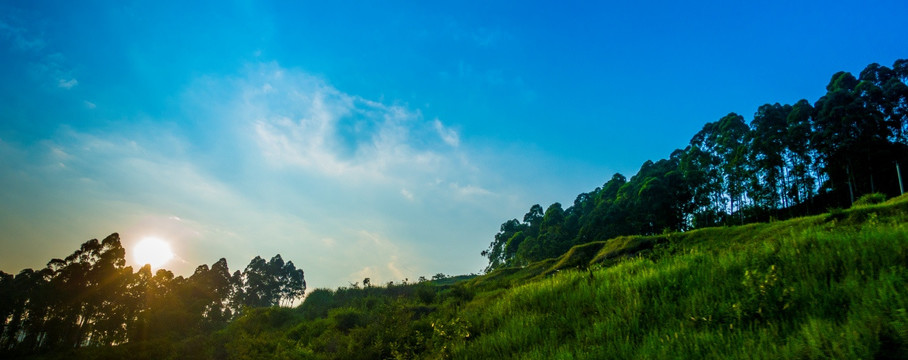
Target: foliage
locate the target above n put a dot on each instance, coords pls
(826, 286)
(803, 288)
(790, 160)
(813, 287)
(870, 199)
(90, 299)
(638, 268)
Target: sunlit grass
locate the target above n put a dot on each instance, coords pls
(826, 286)
(805, 288)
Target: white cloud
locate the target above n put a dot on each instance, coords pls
(286, 164)
(379, 259)
(469, 190)
(449, 136)
(302, 147)
(89, 105)
(393, 269)
(329, 242)
(298, 121)
(407, 194)
(67, 84)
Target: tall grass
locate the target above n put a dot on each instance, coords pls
(805, 288)
(826, 286)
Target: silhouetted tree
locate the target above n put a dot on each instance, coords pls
(90, 298)
(844, 145)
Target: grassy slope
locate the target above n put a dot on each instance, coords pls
(832, 285)
(827, 286)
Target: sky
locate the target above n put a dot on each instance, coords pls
(386, 139)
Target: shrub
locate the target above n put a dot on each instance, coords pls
(425, 293)
(869, 199)
(346, 318)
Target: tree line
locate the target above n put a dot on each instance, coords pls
(90, 298)
(790, 160)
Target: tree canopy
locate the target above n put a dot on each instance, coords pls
(789, 160)
(90, 298)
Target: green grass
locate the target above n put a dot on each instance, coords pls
(451, 280)
(831, 286)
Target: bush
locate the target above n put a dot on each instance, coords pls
(869, 199)
(767, 295)
(425, 293)
(317, 304)
(347, 318)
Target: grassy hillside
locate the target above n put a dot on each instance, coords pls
(826, 286)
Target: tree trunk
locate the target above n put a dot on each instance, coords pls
(850, 183)
(899, 173)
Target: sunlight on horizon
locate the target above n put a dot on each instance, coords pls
(152, 251)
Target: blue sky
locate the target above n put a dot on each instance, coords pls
(373, 139)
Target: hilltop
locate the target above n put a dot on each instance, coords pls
(826, 286)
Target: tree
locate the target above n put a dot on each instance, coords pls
(716, 165)
(259, 289)
(499, 252)
(8, 303)
(790, 160)
(602, 221)
(267, 284)
(851, 137)
(293, 284)
(90, 298)
(731, 146)
(700, 170)
(798, 147)
(767, 140)
(554, 238)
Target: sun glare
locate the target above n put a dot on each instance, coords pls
(152, 251)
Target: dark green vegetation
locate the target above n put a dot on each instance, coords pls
(791, 160)
(672, 263)
(92, 300)
(826, 286)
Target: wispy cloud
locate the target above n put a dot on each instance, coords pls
(469, 190)
(67, 84)
(47, 65)
(93, 184)
(298, 121)
(407, 194)
(449, 136)
(346, 162)
(268, 160)
(384, 258)
(20, 37)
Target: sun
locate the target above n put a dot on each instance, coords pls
(152, 251)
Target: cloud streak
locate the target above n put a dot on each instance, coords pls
(270, 160)
(302, 122)
(299, 123)
(49, 66)
(20, 37)
(67, 84)
(449, 136)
